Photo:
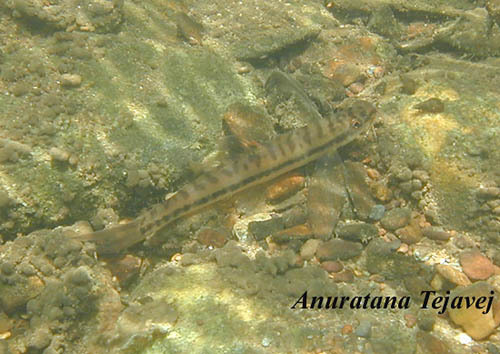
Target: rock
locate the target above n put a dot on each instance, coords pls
(332, 266)
(364, 329)
(58, 154)
(345, 276)
(71, 80)
(211, 237)
(476, 266)
(436, 233)
(285, 188)
(411, 233)
(309, 248)
(347, 73)
(338, 249)
(396, 218)
(453, 275)
(476, 324)
(356, 231)
(260, 229)
(377, 212)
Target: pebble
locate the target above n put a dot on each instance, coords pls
(475, 323)
(377, 212)
(5, 200)
(347, 329)
(411, 233)
(71, 80)
(453, 275)
(488, 192)
(403, 174)
(426, 320)
(476, 266)
(432, 105)
(347, 74)
(396, 218)
(364, 329)
(332, 266)
(296, 232)
(356, 231)
(58, 154)
(410, 320)
(285, 188)
(436, 233)
(345, 276)
(211, 237)
(309, 248)
(260, 229)
(338, 249)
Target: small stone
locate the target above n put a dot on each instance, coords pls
(476, 266)
(211, 237)
(347, 329)
(347, 74)
(309, 248)
(488, 192)
(377, 212)
(364, 329)
(338, 249)
(436, 233)
(426, 320)
(432, 105)
(332, 266)
(403, 174)
(411, 233)
(396, 218)
(300, 232)
(5, 200)
(427, 343)
(263, 228)
(356, 231)
(71, 80)
(410, 320)
(476, 324)
(285, 188)
(58, 154)
(345, 276)
(453, 275)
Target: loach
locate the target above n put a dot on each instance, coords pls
(280, 155)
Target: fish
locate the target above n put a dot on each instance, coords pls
(284, 153)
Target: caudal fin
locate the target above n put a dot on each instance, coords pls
(114, 239)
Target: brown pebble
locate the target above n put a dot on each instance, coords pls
(211, 237)
(373, 173)
(453, 275)
(345, 276)
(410, 320)
(332, 266)
(126, 268)
(347, 329)
(476, 266)
(436, 234)
(285, 188)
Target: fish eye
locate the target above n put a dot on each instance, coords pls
(356, 123)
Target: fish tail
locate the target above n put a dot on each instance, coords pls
(115, 239)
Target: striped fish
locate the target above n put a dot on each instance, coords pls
(283, 154)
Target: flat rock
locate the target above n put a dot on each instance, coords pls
(338, 249)
(476, 266)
